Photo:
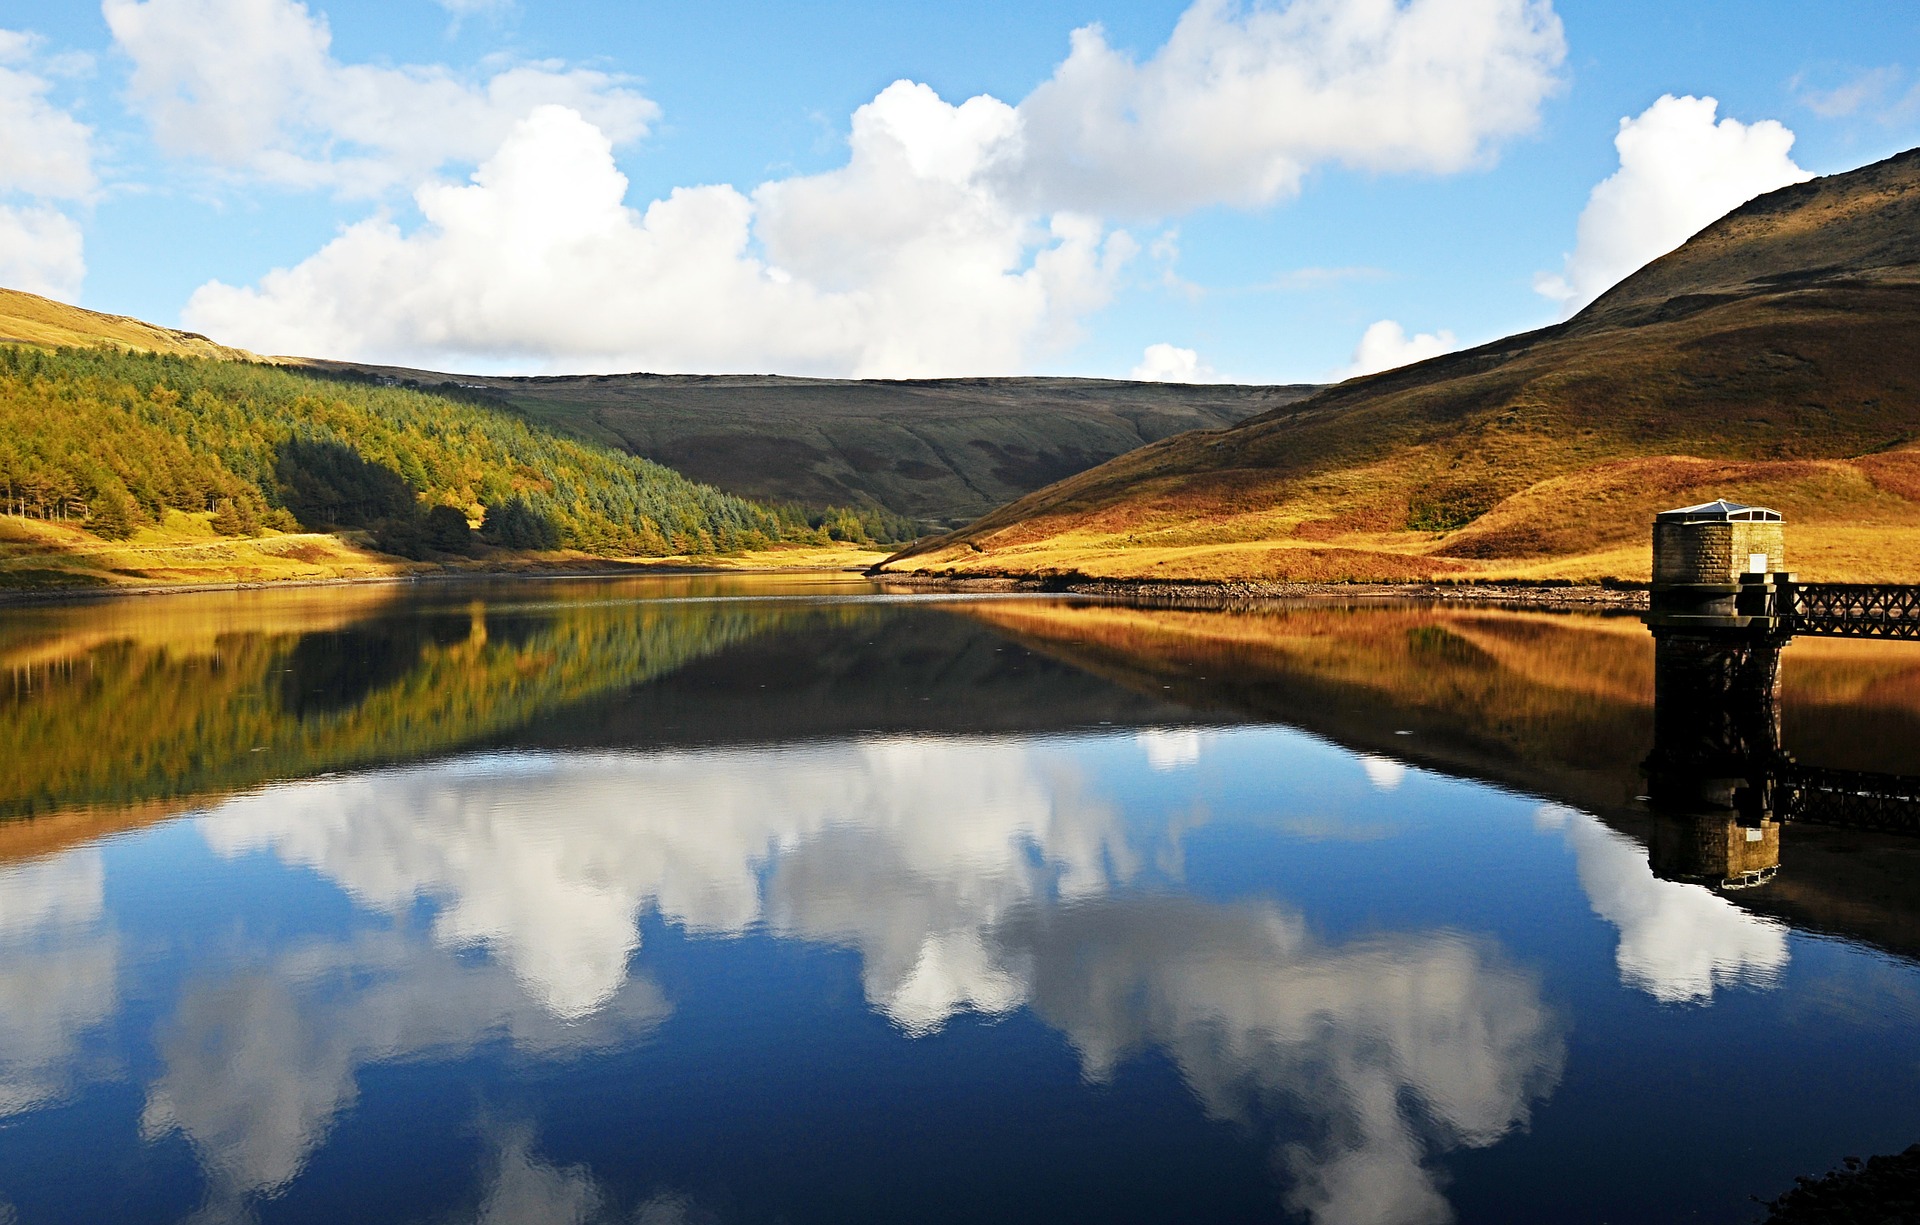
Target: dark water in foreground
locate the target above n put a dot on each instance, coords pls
(628, 903)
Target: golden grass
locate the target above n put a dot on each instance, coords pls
(31, 319)
(184, 551)
(1849, 520)
(1842, 527)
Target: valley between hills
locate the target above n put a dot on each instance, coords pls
(796, 473)
(942, 452)
(1771, 359)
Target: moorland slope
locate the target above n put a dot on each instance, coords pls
(1770, 359)
(939, 451)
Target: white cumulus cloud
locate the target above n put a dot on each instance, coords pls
(1163, 363)
(898, 264)
(46, 156)
(1386, 345)
(956, 239)
(1245, 99)
(253, 86)
(42, 250)
(1680, 171)
(44, 151)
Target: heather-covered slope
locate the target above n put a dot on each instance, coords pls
(1770, 359)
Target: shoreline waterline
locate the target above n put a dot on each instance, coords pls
(1237, 593)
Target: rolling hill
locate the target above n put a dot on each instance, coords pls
(30, 319)
(940, 451)
(1770, 359)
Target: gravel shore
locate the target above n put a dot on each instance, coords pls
(1566, 597)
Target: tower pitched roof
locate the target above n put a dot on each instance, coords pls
(1719, 511)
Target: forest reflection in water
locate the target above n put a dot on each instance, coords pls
(576, 833)
(137, 702)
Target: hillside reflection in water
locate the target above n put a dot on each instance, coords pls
(587, 904)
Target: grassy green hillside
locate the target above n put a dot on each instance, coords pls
(1769, 359)
(941, 451)
(132, 435)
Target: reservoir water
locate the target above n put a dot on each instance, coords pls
(795, 900)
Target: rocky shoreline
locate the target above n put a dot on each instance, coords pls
(1550, 596)
(1880, 1191)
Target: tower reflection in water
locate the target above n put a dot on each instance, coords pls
(1720, 777)
(1716, 754)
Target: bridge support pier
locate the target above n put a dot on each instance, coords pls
(1716, 700)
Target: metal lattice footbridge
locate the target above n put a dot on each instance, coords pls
(1850, 610)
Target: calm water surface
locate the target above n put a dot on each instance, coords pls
(792, 901)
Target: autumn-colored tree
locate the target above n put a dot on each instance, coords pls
(126, 437)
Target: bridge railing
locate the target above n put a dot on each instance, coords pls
(1852, 798)
(1853, 610)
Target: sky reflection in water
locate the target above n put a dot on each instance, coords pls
(895, 971)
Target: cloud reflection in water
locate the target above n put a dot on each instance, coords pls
(968, 875)
(1253, 1007)
(59, 967)
(1678, 942)
(549, 862)
(525, 1189)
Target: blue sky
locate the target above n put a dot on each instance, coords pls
(1000, 239)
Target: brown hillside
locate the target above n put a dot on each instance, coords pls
(1770, 359)
(30, 319)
